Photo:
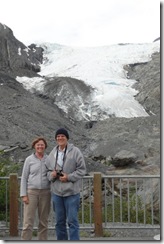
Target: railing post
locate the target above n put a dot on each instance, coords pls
(13, 184)
(97, 206)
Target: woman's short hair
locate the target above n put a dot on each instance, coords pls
(36, 140)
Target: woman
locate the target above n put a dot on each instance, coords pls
(35, 191)
(66, 167)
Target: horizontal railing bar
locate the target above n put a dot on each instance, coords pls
(131, 176)
(105, 176)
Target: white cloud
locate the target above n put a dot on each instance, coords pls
(82, 22)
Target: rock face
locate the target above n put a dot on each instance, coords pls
(15, 57)
(113, 146)
(65, 90)
(149, 89)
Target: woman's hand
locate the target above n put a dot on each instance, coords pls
(25, 199)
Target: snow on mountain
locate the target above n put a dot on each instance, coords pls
(102, 68)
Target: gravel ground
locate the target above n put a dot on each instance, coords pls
(112, 234)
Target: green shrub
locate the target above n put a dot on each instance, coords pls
(6, 167)
(86, 212)
(135, 215)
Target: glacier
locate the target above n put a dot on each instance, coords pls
(100, 67)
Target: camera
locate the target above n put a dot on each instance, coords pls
(59, 173)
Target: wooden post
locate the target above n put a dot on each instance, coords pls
(98, 204)
(13, 184)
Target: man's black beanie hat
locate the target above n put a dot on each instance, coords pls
(63, 132)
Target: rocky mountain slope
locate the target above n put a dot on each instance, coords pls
(112, 146)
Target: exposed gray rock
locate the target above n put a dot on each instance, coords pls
(124, 158)
(68, 94)
(15, 57)
(149, 89)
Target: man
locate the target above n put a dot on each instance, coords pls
(66, 167)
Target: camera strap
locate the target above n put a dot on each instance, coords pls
(63, 156)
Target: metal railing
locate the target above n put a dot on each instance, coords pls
(107, 201)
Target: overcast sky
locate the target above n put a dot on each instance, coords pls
(82, 22)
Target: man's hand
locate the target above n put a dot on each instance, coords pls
(54, 174)
(63, 178)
